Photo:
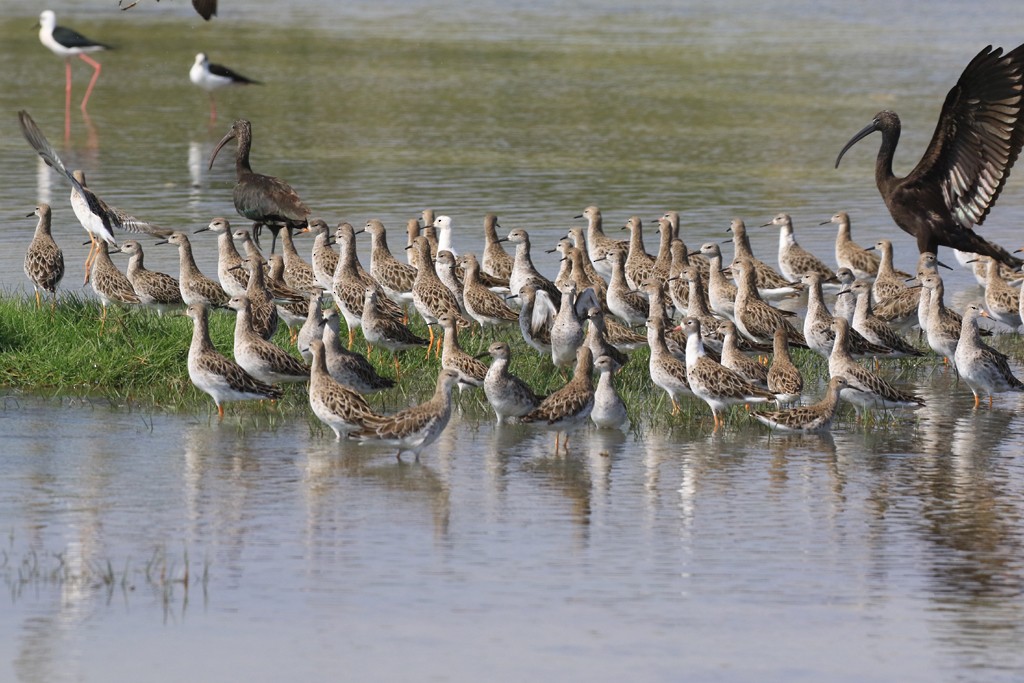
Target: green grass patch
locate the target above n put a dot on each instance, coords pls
(139, 359)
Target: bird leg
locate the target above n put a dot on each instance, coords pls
(398, 370)
(213, 109)
(351, 337)
(39, 303)
(430, 328)
(675, 406)
(89, 257)
(220, 412)
(95, 75)
(67, 100)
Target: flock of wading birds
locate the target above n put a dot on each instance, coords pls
(581, 317)
(585, 318)
(604, 288)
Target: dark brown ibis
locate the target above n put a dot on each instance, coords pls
(978, 137)
(263, 199)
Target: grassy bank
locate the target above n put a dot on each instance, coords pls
(140, 359)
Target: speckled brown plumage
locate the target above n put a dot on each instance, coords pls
(44, 260)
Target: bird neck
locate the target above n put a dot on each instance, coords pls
(226, 246)
(694, 348)
(816, 301)
(618, 275)
(185, 260)
(840, 347)
(451, 341)
(135, 263)
(883, 162)
(780, 348)
(288, 245)
(201, 334)
(318, 368)
(499, 368)
(332, 341)
(935, 303)
(244, 142)
(636, 241)
(491, 234)
(741, 244)
(243, 322)
(832, 396)
(582, 377)
(863, 308)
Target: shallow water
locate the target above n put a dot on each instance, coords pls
(886, 553)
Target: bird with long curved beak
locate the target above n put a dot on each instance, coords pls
(263, 199)
(978, 137)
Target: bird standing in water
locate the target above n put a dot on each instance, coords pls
(263, 199)
(211, 77)
(67, 43)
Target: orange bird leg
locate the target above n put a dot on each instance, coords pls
(430, 344)
(89, 258)
(220, 412)
(67, 99)
(96, 68)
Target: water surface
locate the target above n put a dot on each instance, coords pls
(883, 552)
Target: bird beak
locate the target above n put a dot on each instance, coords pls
(729, 241)
(864, 132)
(550, 251)
(825, 222)
(29, 215)
(503, 239)
(157, 242)
(223, 141)
(843, 291)
(766, 224)
(575, 217)
(871, 248)
(940, 263)
(196, 232)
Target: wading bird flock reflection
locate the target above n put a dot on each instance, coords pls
(711, 325)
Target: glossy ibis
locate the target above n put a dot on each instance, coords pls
(978, 137)
(210, 77)
(263, 199)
